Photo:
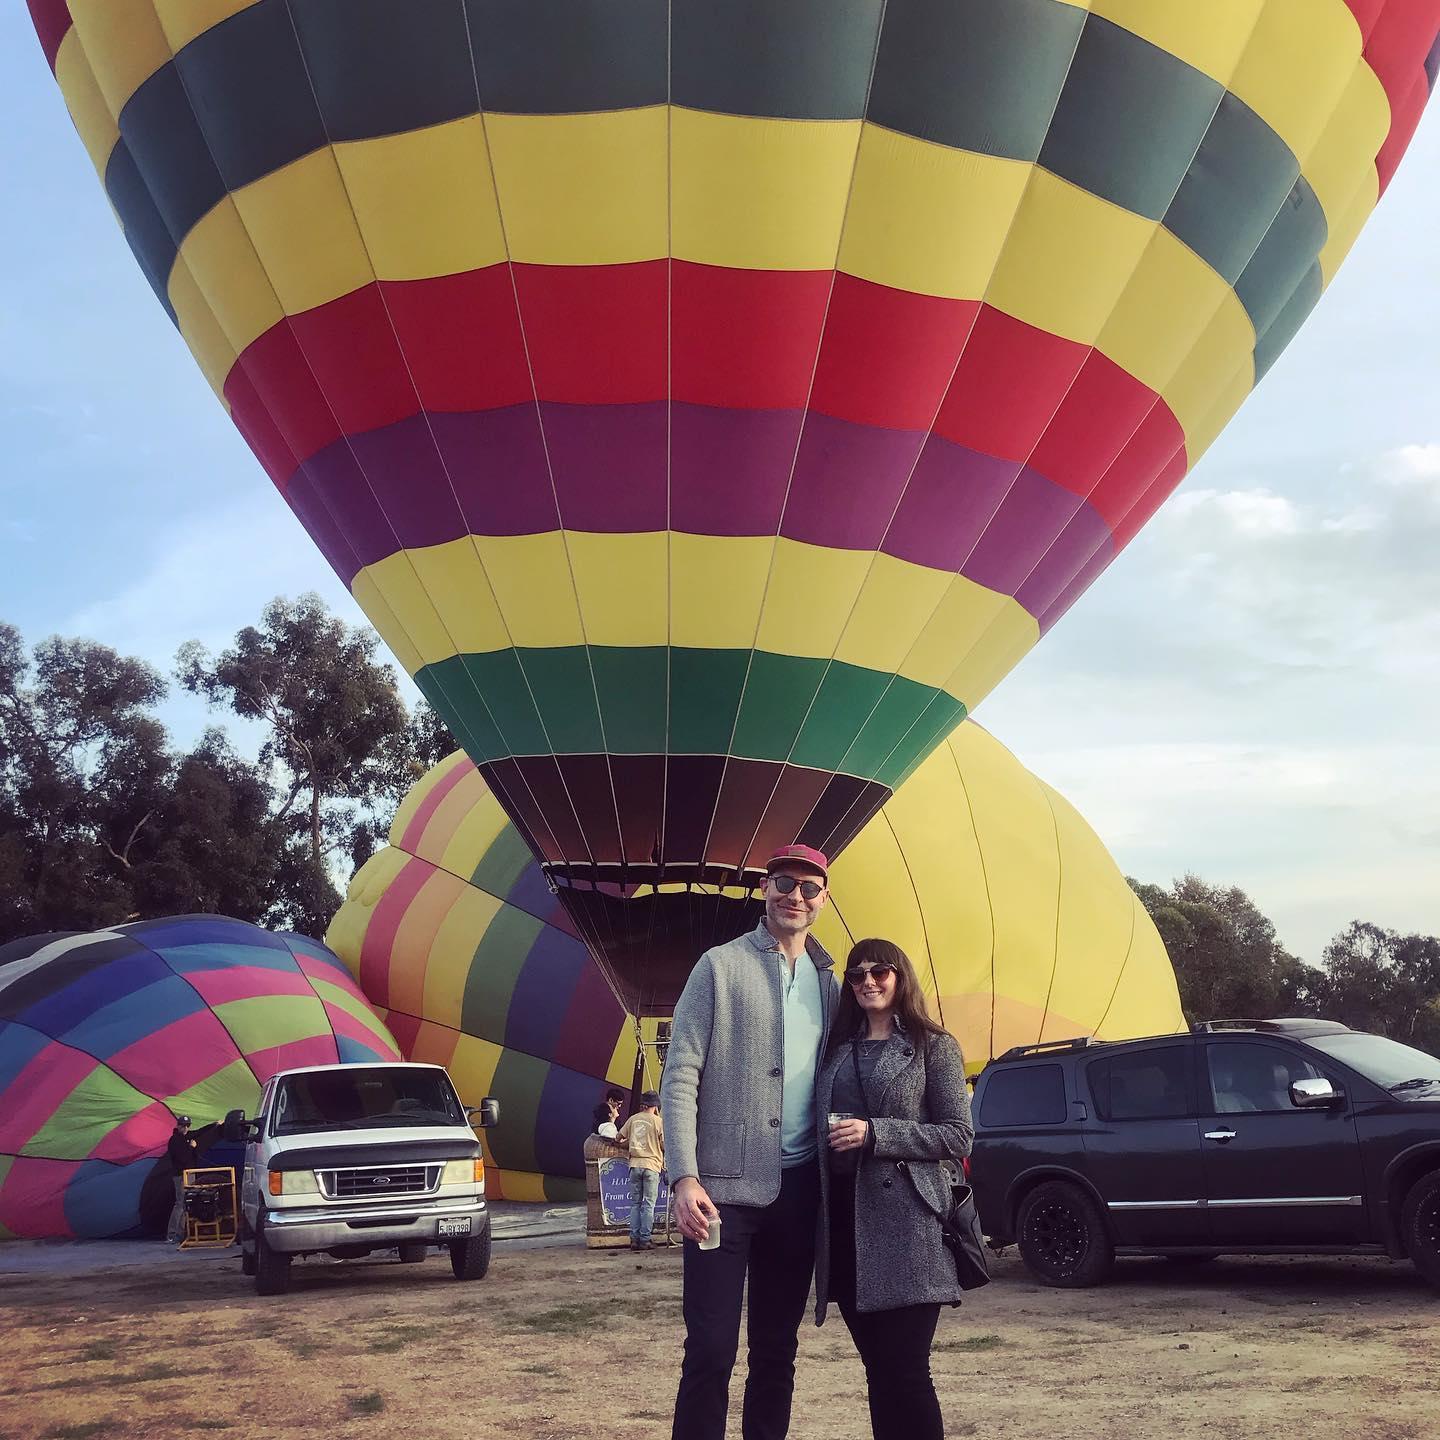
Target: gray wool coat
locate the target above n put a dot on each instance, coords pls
(720, 1094)
(919, 1115)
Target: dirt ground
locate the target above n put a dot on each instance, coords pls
(559, 1343)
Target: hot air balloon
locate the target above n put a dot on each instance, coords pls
(1020, 925)
(106, 1036)
(710, 402)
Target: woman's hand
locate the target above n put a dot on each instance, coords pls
(849, 1134)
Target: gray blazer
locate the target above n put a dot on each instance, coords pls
(721, 1091)
(920, 1114)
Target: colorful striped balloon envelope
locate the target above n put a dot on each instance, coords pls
(105, 1037)
(709, 401)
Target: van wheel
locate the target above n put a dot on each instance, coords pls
(1420, 1225)
(272, 1267)
(413, 1252)
(1062, 1236)
(247, 1260)
(470, 1258)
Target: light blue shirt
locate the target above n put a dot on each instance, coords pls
(803, 1022)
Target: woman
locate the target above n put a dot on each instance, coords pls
(900, 1081)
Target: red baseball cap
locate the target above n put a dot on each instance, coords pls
(799, 855)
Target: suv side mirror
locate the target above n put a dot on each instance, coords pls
(238, 1130)
(1316, 1094)
(488, 1110)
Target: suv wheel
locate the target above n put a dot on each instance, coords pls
(412, 1252)
(272, 1267)
(1062, 1236)
(1420, 1225)
(470, 1258)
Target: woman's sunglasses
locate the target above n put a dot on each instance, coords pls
(856, 973)
(786, 883)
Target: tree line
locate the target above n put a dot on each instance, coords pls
(1229, 964)
(104, 820)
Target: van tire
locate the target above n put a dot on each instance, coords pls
(1062, 1236)
(470, 1257)
(1420, 1225)
(272, 1267)
(412, 1252)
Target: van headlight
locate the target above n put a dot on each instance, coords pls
(293, 1182)
(464, 1172)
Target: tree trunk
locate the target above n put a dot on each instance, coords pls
(315, 825)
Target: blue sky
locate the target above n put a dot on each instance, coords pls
(1251, 692)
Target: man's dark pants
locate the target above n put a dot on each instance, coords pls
(775, 1245)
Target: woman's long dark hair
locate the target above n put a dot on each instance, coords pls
(910, 1007)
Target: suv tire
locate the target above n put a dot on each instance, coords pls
(470, 1257)
(1420, 1225)
(1062, 1236)
(412, 1252)
(272, 1267)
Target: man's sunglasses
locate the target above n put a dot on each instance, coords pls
(856, 973)
(786, 883)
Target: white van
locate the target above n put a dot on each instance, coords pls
(347, 1159)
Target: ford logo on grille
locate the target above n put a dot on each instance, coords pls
(379, 1179)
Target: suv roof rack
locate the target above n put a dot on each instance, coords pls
(1282, 1026)
(1049, 1047)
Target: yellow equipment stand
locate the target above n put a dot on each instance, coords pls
(218, 1181)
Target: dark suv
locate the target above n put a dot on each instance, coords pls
(1242, 1136)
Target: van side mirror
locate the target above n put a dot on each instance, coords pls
(488, 1110)
(238, 1130)
(1315, 1094)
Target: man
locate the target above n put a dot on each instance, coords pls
(643, 1135)
(738, 1098)
(606, 1115)
(181, 1151)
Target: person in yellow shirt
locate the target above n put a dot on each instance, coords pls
(643, 1135)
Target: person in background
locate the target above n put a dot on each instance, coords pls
(893, 1082)
(605, 1117)
(643, 1135)
(182, 1152)
(738, 1096)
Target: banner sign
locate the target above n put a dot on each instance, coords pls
(614, 1175)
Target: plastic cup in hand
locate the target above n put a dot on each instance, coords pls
(836, 1116)
(712, 1239)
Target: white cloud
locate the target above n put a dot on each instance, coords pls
(1249, 693)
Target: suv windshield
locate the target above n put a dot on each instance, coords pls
(1401, 1069)
(361, 1097)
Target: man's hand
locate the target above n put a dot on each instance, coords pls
(694, 1209)
(849, 1134)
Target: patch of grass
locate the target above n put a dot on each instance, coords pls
(549, 1372)
(206, 1422)
(160, 1370)
(97, 1350)
(81, 1430)
(369, 1404)
(303, 1349)
(396, 1337)
(971, 1343)
(650, 1415)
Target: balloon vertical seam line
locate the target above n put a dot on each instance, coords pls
(550, 472)
(264, 272)
(920, 912)
(1059, 903)
(1124, 964)
(1090, 349)
(593, 943)
(985, 876)
(925, 440)
(790, 478)
(475, 687)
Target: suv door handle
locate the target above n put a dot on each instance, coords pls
(1223, 1136)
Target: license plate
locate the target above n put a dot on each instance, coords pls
(455, 1227)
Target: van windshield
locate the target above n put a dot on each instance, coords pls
(361, 1097)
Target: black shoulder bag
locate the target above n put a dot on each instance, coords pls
(960, 1224)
